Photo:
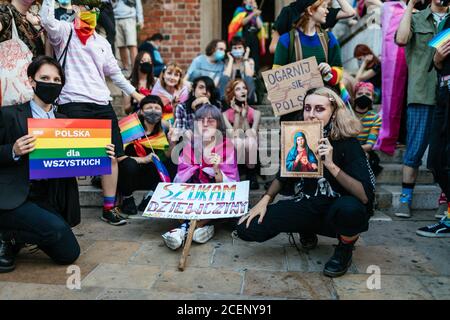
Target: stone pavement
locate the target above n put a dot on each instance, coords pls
(131, 262)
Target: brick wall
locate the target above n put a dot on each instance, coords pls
(180, 21)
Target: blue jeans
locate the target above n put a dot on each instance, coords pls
(31, 224)
(418, 129)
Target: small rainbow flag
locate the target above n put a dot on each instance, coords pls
(131, 128)
(440, 38)
(162, 171)
(69, 148)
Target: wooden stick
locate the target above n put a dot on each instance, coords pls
(187, 245)
(261, 5)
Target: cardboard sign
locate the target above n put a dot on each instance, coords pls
(199, 201)
(287, 85)
(299, 143)
(69, 148)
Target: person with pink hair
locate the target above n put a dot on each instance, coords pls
(370, 121)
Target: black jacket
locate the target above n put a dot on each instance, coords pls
(62, 194)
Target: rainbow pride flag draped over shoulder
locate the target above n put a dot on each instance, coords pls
(131, 128)
(69, 148)
(235, 29)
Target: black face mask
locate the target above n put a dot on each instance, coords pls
(152, 117)
(364, 102)
(47, 92)
(146, 67)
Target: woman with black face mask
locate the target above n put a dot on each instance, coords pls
(370, 120)
(141, 78)
(137, 170)
(39, 212)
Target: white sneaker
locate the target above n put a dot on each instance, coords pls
(174, 238)
(441, 211)
(203, 234)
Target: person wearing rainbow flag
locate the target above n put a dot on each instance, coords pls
(87, 59)
(247, 23)
(137, 170)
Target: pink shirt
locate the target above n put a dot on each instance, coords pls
(250, 115)
(87, 66)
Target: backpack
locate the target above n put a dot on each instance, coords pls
(130, 3)
(295, 47)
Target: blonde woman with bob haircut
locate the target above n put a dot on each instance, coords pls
(337, 205)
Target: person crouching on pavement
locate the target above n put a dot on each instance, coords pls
(337, 205)
(38, 212)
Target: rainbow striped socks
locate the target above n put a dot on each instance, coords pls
(109, 203)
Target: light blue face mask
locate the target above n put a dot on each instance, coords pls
(219, 55)
(64, 2)
(237, 53)
(248, 7)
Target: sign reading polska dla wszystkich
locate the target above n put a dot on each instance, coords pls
(199, 201)
(69, 148)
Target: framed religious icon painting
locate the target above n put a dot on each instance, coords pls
(299, 144)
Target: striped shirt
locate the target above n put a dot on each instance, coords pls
(87, 66)
(371, 122)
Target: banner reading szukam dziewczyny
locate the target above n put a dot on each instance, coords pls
(69, 148)
(199, 201)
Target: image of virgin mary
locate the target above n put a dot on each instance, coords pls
(301, 158)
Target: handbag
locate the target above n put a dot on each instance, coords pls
(15, 57)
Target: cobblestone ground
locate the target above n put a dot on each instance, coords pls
(131, 262)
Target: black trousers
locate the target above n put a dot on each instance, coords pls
(84, 110)
(32, 224)
(108, 22)
(345, 216)
(439, 153)
(134, 176)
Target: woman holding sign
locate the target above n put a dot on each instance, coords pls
(39, 212)
(137, 170)
(210, 158)
(337, 205)
(307, 39)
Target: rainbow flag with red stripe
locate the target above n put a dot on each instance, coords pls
(235, 29)
(131, 128)
(69, 148)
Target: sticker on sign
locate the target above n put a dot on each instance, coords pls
(199, 201)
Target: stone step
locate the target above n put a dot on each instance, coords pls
(265, 109)
(392, 175)
(387, 197)
(397, 157)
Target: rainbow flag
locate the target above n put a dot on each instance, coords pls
(440, 38)
(69, 148)
(235, 29)
(162, 171)
(131, 128)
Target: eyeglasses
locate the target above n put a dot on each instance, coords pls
(209, 121)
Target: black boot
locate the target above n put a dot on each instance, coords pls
(340, 261)
(308, 240)
(7, 257)
(129, 206)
